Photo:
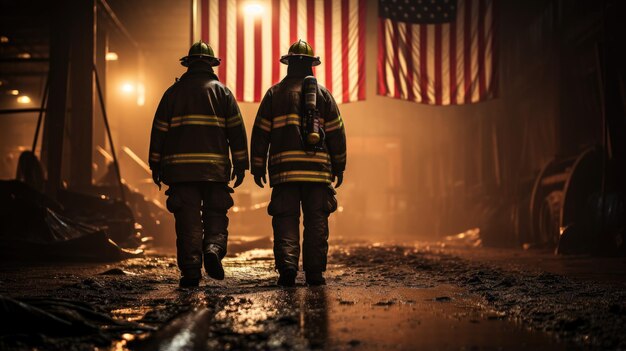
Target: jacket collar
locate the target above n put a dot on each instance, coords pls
(194, 71)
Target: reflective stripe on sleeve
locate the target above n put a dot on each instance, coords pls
(263, 124)
(258, 161)
(155, 157)
(160, 125)
(333, 125)
(240, 155)
(234, 121)
(339, 158)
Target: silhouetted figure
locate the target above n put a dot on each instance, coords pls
(195, 124)
(307, 151)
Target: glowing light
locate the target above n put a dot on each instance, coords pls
(24, 99)
(111, 56)
(128, 88)
(24, 55)
(14, 92)
(141, 94)
(253, 9)
(4, 39)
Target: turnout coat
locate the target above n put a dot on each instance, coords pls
(195, 125)
(277, 128)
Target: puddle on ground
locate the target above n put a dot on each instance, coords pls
(347, 317)
(131, 314)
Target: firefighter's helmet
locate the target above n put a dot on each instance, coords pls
(300, 49)
(200, 50)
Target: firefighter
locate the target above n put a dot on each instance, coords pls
(305, 136)
(195, 124)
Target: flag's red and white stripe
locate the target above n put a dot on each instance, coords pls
(250, 46)
(440, 64)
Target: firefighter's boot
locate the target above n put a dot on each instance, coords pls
(189, 282)
(213, 263)
(287, 277)
(315, 278)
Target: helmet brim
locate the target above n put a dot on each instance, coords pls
(213, 61)
(285, 59)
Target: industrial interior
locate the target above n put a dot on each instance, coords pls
(477, 210)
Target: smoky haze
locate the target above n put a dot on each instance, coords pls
(414, 172)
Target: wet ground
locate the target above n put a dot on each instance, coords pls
(378, 297)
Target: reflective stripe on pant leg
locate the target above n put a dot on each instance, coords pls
(316, 207)
(188, 227)
(216, 202)
(285, 210)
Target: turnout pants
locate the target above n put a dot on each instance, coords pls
(318, 202)
(200, 210)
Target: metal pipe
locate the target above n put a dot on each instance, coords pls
(116, 21)
(44, 100)
(19, 110)
(108, 129)
(23, 59)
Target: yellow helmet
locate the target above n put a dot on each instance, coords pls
(300, 49)
(200, 50)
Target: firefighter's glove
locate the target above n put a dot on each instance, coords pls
(239, 174)
(339, 178)
(156, 177)
(260, 180)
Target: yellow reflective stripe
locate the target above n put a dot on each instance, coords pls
(333, 125)
(304, 176)
(258, 161)
(234, 121)
(173, 162)
(282, 121)
(240, 155)
(196, 155)
(154, 156)
(339, 158)
(264, 124)
(299, 156)
(195, 158)
(160, 125)
(205, 120)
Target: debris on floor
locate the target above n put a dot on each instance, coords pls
(36, 228)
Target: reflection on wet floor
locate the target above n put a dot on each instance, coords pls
(130, 314)
(346, 317)
(378, 297)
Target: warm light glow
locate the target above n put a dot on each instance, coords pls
(141, 94)
(128, 88)
(14, 92)
(4, 39)
(253, 9)
(24, 55)
(111, 56)
(24, 99)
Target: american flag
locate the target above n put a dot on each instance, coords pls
(437, 52)
(251, 36)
